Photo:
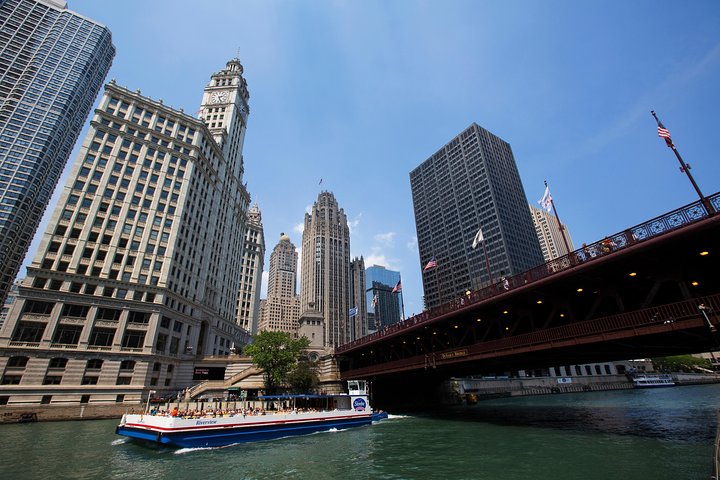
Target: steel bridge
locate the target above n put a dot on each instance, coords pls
(650, 290)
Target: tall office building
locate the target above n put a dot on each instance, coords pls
(281, 310)
(384, 304)
(253, 261)
(469, 184)
(52, 64)
(325, 272)
(549, 234)
(358, 303)
(139, 269)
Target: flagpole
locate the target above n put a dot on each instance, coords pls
(685, 168)
(562, 229)
(487, 263)
(437, 279)
(402, 303)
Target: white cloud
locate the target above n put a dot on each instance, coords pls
(264, 284)
(354, 223)
(379, 259)
(386, 239)
(299, 228)
(412, 244)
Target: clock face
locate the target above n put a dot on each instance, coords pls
(218, 97)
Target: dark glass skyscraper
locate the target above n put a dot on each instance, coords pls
(384, 306)
(471, 183)
(52, 64)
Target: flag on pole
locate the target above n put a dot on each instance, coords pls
(353, 311)
(431, 264)
(478, 238)
(665, 133)
(546, 200)
(398, 287)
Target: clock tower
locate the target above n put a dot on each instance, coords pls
(225, 110)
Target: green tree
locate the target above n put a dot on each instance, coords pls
(276, 353)
(303, 378)
(680, 363)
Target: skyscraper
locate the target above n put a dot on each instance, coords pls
(358, 303)
(549, 235)
(52, 64)
(139, 268)
(253, 260)
(384, 305)
(281, 310)
(325, 273)
(471, 183)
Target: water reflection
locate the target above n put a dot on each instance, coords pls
(675, 414)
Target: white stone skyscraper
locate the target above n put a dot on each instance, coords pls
(281, 309)
(139, 269)
(325, 272)
(548, 232)
(52, 64)
(253, 261)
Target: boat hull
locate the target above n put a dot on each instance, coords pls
(227, 433)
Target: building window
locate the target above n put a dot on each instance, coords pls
(85, 398)
(17, 362)
(76, 311)
(161, 344)
(67, 334)
(108, 314)
(133, 339)
(127, 365)
(29, 331)
(89, 380)
(139, 317)
(94, 364)
(101, 337)
(11, 379)
(38, 307)
(52, 380)
(57, 362)
(174, 345)
(123, 381)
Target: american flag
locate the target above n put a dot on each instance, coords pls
(431, 264)
(398, 287)
(665, 133)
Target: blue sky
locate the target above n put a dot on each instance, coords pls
(360, 93)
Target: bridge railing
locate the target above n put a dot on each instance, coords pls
(664, 315)
(655, 227)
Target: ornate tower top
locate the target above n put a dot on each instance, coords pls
(225, 110)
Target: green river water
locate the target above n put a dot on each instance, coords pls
(634, 434)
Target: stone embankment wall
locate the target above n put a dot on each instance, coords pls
(44, 413)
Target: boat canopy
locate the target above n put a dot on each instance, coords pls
(295, 396)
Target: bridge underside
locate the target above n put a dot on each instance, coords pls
(640, 301)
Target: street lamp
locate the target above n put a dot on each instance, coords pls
(703, 309)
